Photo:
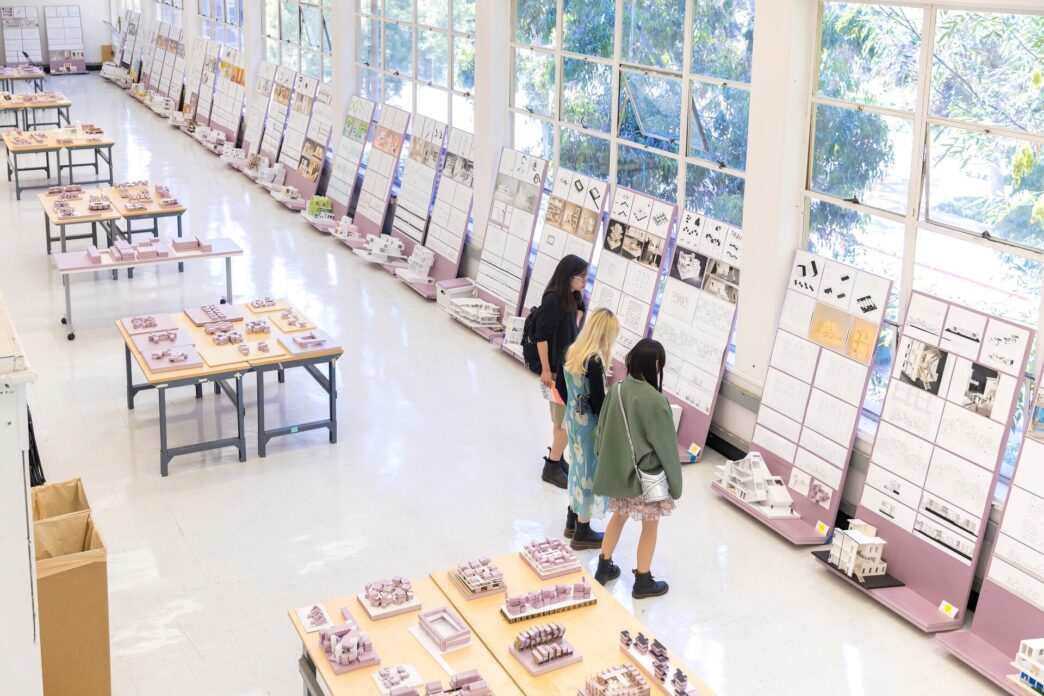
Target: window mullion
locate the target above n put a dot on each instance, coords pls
(686, 104)
(614, 121)
(556, 130)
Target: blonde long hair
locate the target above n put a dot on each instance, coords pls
(596, 339)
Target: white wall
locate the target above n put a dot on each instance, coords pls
(92, 14)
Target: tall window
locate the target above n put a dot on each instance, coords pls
(170, 12)
(419, 55)
(298, 36)
(927, 156)
(223, 21)
(655, 97)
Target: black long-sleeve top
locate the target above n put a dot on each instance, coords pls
(559, 328)
(596, 380)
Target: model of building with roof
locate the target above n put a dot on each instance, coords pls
(750, 480)
(624, 680)
(548, 600)
(347, 647)
(384, 598)
(478, 578)
(857, 551)
(544, 648)
(550, 558)
(1029, 661)
(418, 266)
(320, 207)
(444, 629)
(651, 657)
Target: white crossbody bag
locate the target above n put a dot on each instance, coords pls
(654, 485)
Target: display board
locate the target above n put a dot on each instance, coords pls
(129, 38)
(354, 134)
(229, 93)
(174, 66)
(208, 83)
(194, 78)
(157, 53)
(517, 193)
(1011, 600)
(278, 111)
(21, 34)
(937, 454)
(695, 321)
(572, 225)
(418, 181)
(317, 139)
(297, 124)
(381, 169)
(257, 111)
(634, 255)
(818, 373)
(65, 39)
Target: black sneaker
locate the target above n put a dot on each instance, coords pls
(645, 585)
(553, 473)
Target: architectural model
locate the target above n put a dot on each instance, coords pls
(478, 578)
(542, 649)
(294, 320)
(262, 303)
(320, 207)
(308, 340)
(857, 551)
(624, 680)
(476, 312)
(750, 480)
(652, 658)
(168, 336)
(419, 265)
(384, 598)
(550, 558)
(56, 190)
(144, 322)
(384, 248)
(468, 683)
(399, 676)
(98, 203)
(346, 229)
(314, 617)
(347, 647)
(206, 315)
(549, 600)
(444, 628)
(1029, 660)
(195, 244)
(172, 358)
(273, 175)
(258, 326)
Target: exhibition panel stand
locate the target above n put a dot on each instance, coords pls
(21, 25)
(937, 456)
(348, 157)
(173, 87)
(194, 79)
(69, 140)
(1011, 600)
(229, 93)
(450, 217)
(12, 75)
(381, 171)
(143, 56)
(413, 204)
(171, 55)
(207, 83)
(278, 112)
(818, 373)
(258, 111)
(128, 39)
(153, 63)
(695, 322)
(304, 174)
(65, 40)
(297, 123)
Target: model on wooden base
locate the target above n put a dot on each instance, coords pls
(1029, 661)
(856, 551)
(651, 658)
(624, 680)
(547, 601)
(475, 312)
(479, 578)
(382, 248)
(444, 629)
(397, 677)
(750, 480)
(384, 598)
(418, 266)
(468, 683)
(542, 649)
(550, 558)
(347, 647)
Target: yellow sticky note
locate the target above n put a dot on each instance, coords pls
(948, 609)
(694, 451)
(821, 529)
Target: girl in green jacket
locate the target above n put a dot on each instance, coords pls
(655, 445)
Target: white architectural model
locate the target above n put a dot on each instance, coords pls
(383, 248)
(750, 480)
(1029, 660)
(475, 311)
(420, 262)
(272, 176)
(857, 551)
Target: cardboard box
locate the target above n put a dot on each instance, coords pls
(107, 53)
(55, 499)
(73, 592)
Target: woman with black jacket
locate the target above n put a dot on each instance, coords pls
(557, 324)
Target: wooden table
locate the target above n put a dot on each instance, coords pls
(395, 646)
(24, 105)
(77, 262)
(593, 630)
(83, 216)
(12, 74)
(152, 211)
(222, 366)
(46, 142)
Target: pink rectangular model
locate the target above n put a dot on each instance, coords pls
(445, 629)
(542, 649)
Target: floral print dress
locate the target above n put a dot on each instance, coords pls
(581, 423)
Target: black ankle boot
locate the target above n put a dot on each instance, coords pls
(553, 473)
(585, 538)
(645, 585)
(565, 466)
(607, 570)
(570, 527)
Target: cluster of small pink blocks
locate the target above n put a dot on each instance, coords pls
(259, 326)
(481, 575)
(171, 354)
(262, 303)
(309, 340)
(393, 676)
(98, 203)
(292, 318)
(217, 327)
(624, 680)
(661, 662)
(545, 643)
(386, 593)
(143, 322)
(164, 336)
(194, 244)
(548, 596)
(550, 553)
(215, 312)
(468, 683)
(229, 338)
(346, 645)
(59, 190)
(142, 251)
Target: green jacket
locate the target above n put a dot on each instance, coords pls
(652, 431)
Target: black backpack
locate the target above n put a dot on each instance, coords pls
(530, 355)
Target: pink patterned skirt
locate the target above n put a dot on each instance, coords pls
(637, 509)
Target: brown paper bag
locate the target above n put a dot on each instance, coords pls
(73, 587)
(59, 499)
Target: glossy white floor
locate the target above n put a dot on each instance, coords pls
(438, 461)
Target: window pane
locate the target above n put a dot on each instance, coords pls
(463, 63)
(289, 21)
(723, 38)
(862, 157)
(398, 92)
(327, 46)
(718, 118)
(588, 27)
(584, 153)
(434, 13)
(714, 193)
(464, 16)
(647, 172)
(869, 53)
(880, 369)
(312, 64)
(291, 56)
(327, 69)
(987, 68)
(654, 33)
(535, 82)
(433, 102)
(587, 98)
(399, 9)
(272, 19)
(398, 48)
(535, 22)
(372, 7)
(272, 51)
(464, 113)
(369, 48)
(311, 27)
(533, 135)
(369, 84)
(433, 57)
(649, 110)
(986, 183)
(867, 242)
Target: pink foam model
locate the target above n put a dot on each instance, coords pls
(478, 578)
(445, 629)
(544, 648)
(624, 680)
(550, 558)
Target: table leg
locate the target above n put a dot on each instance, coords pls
(94, 233)
(96, 170)
(130, 377)
(67, 319)
(58, 156)
(164, 457)
(181, 266)
(61, 233)
(228, 279)
(109, 162)
(47, 229)
(262, 443)
(18, 183)
(240, 417)
(333, 401)
(199, 390)
(282, 374)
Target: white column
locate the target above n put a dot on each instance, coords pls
(343, 30)
(191, 27)
(253, 45)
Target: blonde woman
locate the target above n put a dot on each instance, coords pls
(586, 368)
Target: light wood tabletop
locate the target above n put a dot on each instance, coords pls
(83, 215)
(394, 644)
(39, 100)
(594, 630)
(152, 205)
(39, 141)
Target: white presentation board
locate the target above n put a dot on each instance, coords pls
(418, 180)
(21, 25)
(349, 153)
